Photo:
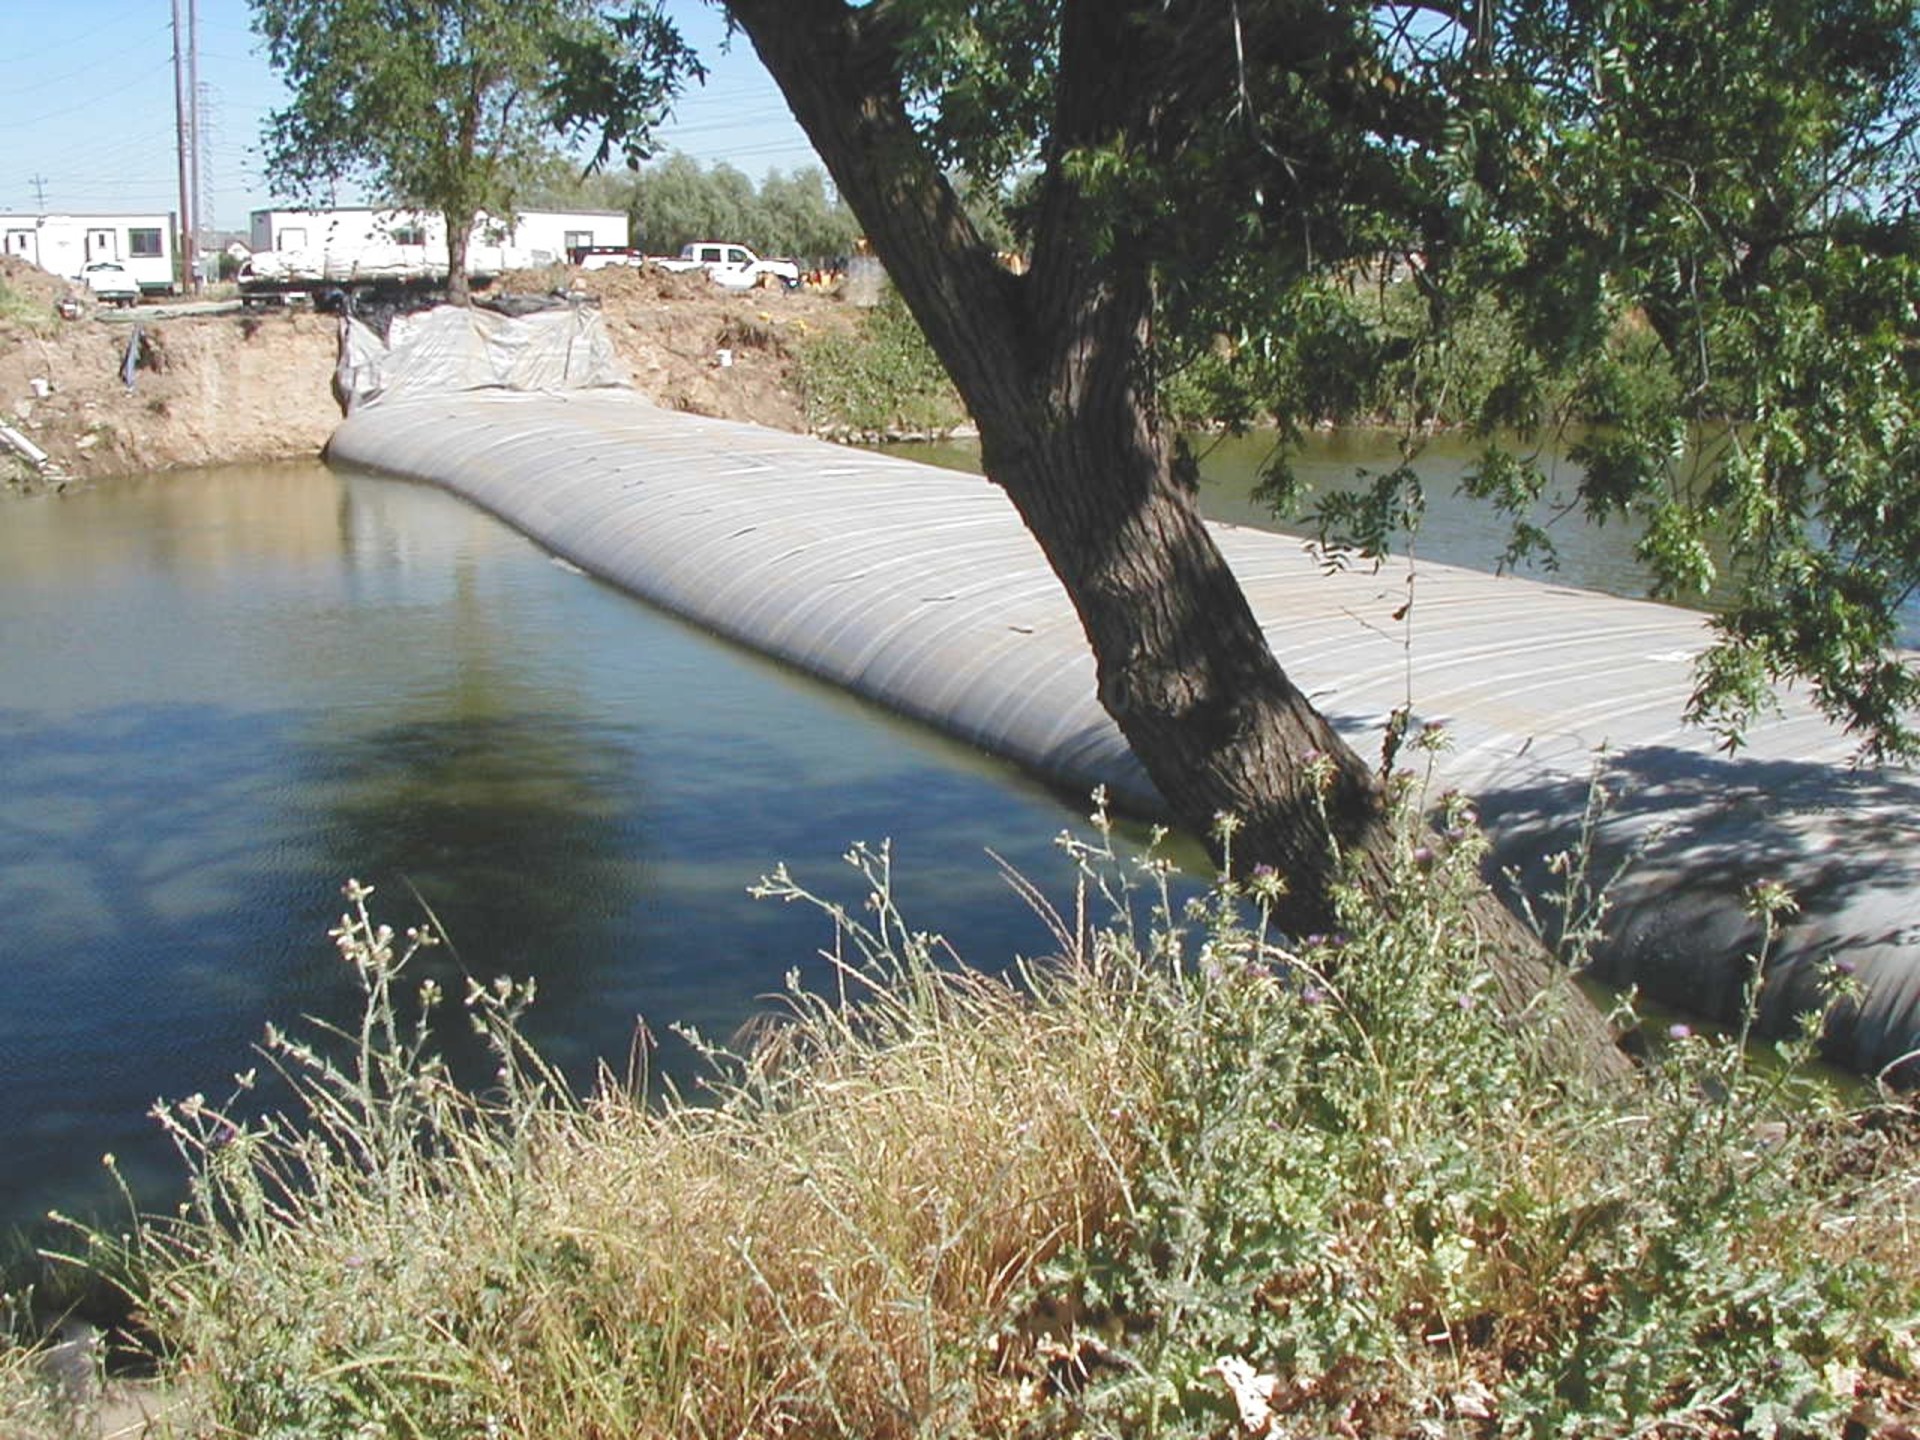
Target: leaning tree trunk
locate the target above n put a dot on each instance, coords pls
(1055, 367)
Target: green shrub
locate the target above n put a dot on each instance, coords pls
(1361, 1207)
(882, 379)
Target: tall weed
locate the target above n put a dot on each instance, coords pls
(822, 1245)
(1365, 1210)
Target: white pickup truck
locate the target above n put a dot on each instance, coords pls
(109, 281)
(733, 266)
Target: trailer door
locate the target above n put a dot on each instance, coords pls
(102, 245)
(20, 243)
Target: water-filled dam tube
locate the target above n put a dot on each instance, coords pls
(920, 590)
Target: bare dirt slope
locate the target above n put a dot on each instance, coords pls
(211, 388)
(669, 330)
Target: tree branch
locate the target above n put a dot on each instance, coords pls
(841, 71)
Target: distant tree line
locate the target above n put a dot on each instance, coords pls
(677, 200)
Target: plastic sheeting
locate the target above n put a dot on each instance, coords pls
(920, 590)
(452, 348)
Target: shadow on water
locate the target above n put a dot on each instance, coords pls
(159, 914)
(520, 835)
(159, 923)
(151, 924)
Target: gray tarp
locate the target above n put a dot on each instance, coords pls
(452, 348)
(919, 589)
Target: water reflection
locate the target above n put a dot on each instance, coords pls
(222, 693)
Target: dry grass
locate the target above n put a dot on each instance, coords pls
(830, 1243)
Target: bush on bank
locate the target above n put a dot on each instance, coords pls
(879, 381)
(1186, 1177)
(1348, 353)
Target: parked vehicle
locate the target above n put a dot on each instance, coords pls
(112, 282)
(600, 257)
(734, 266)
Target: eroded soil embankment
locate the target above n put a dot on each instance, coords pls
(203, 391)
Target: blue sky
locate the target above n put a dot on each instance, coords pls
(87, 106)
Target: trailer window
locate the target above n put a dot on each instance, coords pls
(144, 243)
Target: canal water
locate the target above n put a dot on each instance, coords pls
(222, 693)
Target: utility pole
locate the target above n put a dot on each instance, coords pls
(193, 136)
(39, 183)
(180, 130)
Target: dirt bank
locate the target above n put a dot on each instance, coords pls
(209, 389)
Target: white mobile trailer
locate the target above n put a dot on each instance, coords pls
(547, 236)
(352, 239)
(65, 245)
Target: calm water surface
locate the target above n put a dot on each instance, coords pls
(222, 693)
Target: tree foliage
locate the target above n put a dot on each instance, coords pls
(443, 104)
(799, 217)
(1740, 180)
(1689, 224)
(677, 201)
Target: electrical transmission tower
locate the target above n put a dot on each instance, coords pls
(202, 168)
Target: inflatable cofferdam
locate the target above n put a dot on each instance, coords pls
(919, 589)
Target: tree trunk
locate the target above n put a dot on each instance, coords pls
(459, 236)
(1056, 368)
